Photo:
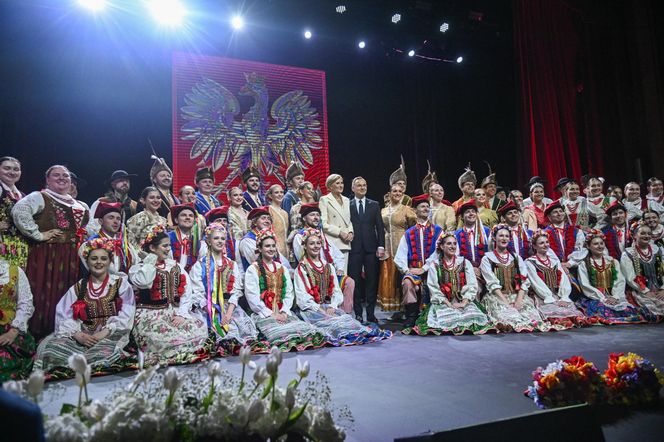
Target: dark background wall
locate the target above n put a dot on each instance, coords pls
(89, 91)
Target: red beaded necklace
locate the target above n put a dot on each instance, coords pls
(97, 291)
(546, 262)
(502, 259)
(646, 256)
(599, 268)
(319, 268)
(449, 266)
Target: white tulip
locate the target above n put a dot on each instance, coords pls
(143, 377)
(272, 365)
(78, 363)
(290, 397)
(302, 369)
(172, 380)
(15, 387)
(84, 378)
(260, 375)
(35, 383)
(276, 353)
(214, 370)
(245, 355)
(256, 410)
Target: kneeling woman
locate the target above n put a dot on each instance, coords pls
(165, 328)
(603, 285)
(552, 286)
(643, 267)
(453, 288)
(318, 295)
(93, 318)
(269, 291)
(507, 284)
(216, 282)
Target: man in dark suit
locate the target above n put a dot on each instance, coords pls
(367, 246)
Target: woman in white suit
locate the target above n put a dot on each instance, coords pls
(335, 213)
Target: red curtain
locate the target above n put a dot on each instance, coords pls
(555, 109)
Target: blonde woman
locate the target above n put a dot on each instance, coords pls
(335, 212)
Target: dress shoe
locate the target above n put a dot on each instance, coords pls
(359, 318)
(372, 319)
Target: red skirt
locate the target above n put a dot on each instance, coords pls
(52, 269)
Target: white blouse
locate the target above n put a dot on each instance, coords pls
(26, 208)
(492, 281)
(66, 325)
(627, 267)
(253, 292)
(305, 301)
(539, 286)
(468, 291)
(618, 290)
(24, 306)
(198, 288)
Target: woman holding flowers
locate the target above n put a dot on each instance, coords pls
(507, 284)
(94, 317)
(318, 295)
(217, 282)
(269, 291)
(165, 329)
(551, 285)
(643, 267)
(603, 284)
(453, 287)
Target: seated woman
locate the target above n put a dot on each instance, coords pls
(453, 288)
(165, 328)
(93, 318)
(551, 286)
(216, 282)
(603, 284)
(269, 291)
(319, 296)
(643, 267)
(507, 283)
(17, 346)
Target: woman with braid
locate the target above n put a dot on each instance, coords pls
(269, 291)
(94, 317)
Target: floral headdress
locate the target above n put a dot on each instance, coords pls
(97, 243)
(635, 226)
(154, 231)
(308, 233)
(263, 235)
(537, 234)
(215, 226)
(497, 227)
(592, 234)
(442, 237)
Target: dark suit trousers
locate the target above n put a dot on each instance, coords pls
(365, 290)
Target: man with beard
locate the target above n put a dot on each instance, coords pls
(252, 198)
(162, 178)
(467, 183)
(119, 183)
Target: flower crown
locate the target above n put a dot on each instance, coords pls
(308, 233)
(497, 227)
(154, 231)
(635, 226)
(592, 234)
(263, 235)
(538, 233)
(215, 226)
(96, 244)
(442, 237)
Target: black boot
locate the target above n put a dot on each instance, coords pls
(412, 312)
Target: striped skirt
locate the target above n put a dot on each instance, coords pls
(293, 334)
(507, 318)
(343, 329)
(440, 319)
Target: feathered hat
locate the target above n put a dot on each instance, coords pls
(204, 173)
(399, 174)
(429, 179)
(158, 165)
(489, 179)
(468, 176)
(293, 170)
(250, 172)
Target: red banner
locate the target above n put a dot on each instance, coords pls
(231, 114)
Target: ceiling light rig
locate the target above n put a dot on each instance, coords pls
(396, 18)
(444, 27)
(341, 9)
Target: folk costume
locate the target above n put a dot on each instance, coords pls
(617, 238)
(635, 208)
(269, 290)
(317, 289)
(165, 292)
(237, 222)
(644, 273)
(89, 309)
(520, 236)
(139, 225)
(13, 246)
(186, 248)
(451, 282)
(251, 201)
(468, 176)
(16, 308)
(128, 206)
(396, 176)
(280, 227)
(40, 212)
(564, 239)
(205, 203)
(291, 198)
(473, 241)
(494, 203)
(221, 214)
(167, 197)
(598, 204)
(442, 213)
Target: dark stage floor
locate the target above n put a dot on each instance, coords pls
(412, 384)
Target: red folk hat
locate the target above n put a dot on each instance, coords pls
(306, 209)
(216, 213)
(419, 199)
(614, 206)
(104, 208)
(470, 204)
(506, 208)
(554, 205)
(258, 211)
(176, 209)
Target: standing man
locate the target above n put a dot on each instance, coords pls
(519, 235)
(490, 186)
(119, 183)
(186, 244)
(564, 238)
(367, 246)
(294, 179)
(467, 182)
(655, 190)
(162, 178)
(252, 198)
(205, 201)
(616, 233)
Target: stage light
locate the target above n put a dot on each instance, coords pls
(361, 44)
(93, 5)
(237, 22)
(444, 27)
(459, 59)
(411, 53)
(396, 18)
(167, 12)
(341, 9)
(307, 34)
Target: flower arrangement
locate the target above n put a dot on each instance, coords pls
(209, 404)
(631, 379)
(567, 382)
(628, 380)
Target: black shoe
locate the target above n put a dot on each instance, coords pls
(372, 319)
(359, 318)
(412, 312)
(396, 317)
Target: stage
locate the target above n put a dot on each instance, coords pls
(411, 384)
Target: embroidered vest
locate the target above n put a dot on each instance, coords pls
(8, 299)
(320, 285)
(451, 281)
(59, 216)
(165, 290)
(99, 310)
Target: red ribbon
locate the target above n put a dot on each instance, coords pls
(79, 310)
(518, 280)
(268, 298)
(155, 292)
(447, 290)
(641, 281)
